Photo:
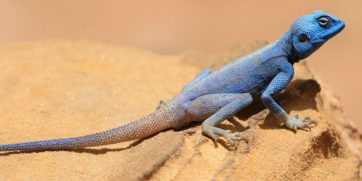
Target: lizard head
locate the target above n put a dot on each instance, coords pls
(309, 32)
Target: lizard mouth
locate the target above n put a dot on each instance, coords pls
(317, 42)
(333, 31)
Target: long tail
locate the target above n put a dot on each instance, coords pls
(167, 117)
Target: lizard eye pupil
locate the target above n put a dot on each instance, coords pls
(323, 22)
(303, 38)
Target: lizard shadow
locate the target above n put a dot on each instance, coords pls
(235, 126)
(299, 95)
(93, 151)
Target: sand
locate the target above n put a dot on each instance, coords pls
(172, 27)
(53, 89)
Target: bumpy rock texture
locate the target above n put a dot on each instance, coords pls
(56, 89)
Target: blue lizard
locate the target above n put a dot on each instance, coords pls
(215, 96)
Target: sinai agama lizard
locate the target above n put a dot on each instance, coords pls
(213, 96)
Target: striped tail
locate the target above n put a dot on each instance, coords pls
(164, 118)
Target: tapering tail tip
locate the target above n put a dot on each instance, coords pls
(165, 118)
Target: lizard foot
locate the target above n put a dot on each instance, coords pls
(161, 104)
(294, 123)
(215, 133)
(232, 138)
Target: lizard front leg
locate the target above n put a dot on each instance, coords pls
(279, 82)
(216, 108)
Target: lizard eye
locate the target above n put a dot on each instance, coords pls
(303, 38)
(323, 22)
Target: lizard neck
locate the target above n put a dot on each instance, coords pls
(285, 44)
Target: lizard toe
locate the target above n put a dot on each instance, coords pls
(233, 138)
(209, 132)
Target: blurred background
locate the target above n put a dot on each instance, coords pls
(174, 26)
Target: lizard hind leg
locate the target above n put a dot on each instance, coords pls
(204, 73)
(215, 108)
(162, 104)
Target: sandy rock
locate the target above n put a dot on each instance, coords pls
(56, 89)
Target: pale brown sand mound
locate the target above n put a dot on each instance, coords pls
(58, 89)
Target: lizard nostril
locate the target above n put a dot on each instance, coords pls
(303, 38)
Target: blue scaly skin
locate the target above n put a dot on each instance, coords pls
(215, 96)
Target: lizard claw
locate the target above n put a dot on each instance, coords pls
(161, 104)
(232, 138)
(215, 133)
(210, 132)
(294, 123)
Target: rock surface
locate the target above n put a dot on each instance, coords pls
(56, 89)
